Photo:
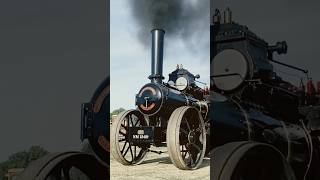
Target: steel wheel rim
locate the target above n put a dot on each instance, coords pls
(66, 165)
(191, 139)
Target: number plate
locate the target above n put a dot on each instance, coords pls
(139, 135)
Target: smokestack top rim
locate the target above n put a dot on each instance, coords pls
(158, 29)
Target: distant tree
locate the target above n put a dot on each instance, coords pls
(116, 112)
(21, 159)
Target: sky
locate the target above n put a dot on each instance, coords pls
(294, 21)
(130, 61)
(53, 55)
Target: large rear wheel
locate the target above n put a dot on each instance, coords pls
(250, 160)
(66, 165)
(186, 138)
(121, 148)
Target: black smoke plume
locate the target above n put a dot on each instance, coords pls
(183, 19)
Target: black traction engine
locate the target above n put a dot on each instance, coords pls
(263, 126)
(172, 114)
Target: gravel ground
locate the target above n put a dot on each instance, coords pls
(157, 167)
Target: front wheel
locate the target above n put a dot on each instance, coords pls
(186, 138)
(121, 148)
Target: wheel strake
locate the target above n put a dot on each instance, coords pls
(186, 138)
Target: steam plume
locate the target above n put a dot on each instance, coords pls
(179, 18)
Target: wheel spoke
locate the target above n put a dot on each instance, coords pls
(135, 125)
(187, 123)
(185, 154)
(132, 156)
(184, 131)
(125, 122)
(196, 146)
(123, 147)
(191, 159)
(66, 173)
(125, 127)
(123, 134)
(132, 125)
(125, 153)
(128, 121)
(185, 151)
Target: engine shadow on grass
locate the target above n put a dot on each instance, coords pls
(166, 160)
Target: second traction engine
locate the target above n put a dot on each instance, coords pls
(241, 67)
(257, 117)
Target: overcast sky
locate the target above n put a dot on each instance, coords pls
(53, 55)
(294, 21)
(130, 60)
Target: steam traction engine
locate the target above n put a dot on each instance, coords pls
(263, 127)
(171, 114)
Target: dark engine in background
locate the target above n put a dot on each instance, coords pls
(250, 102)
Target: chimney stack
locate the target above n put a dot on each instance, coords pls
(216, 17)
(227, 16)
(157, 56)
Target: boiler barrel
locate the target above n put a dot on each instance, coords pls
(158, 99)
(234, 121)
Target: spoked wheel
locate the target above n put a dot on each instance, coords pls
(121, 148)
(186, 138)
(250, 161)
(67, 165)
